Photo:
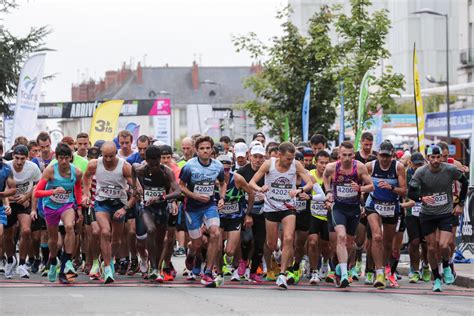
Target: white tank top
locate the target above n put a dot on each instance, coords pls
(279, 187)
(111, 185)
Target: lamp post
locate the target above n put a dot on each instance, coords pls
(448, 114)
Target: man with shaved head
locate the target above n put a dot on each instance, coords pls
(111, 204)
(187, 147)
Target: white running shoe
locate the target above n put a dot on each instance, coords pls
(2, 265)
(315, 279)
(9, 270)
(22, 271)
(281, 282)
(235, 276)
(324, 270)
(246, 275)
(144, 266)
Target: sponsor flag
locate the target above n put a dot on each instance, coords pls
(28, 98)
(420, 116)
(305, 112)
(105, 121)
(363, 96)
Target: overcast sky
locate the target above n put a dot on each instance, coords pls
(92, 36)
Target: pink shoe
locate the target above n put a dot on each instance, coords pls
(242, 267)
(255, 278)
(206, 280)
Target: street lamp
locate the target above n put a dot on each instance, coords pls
(448, 114)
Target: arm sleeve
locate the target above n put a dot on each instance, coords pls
(40, 191)
(319, 196)
(464, 187)
(78, 192)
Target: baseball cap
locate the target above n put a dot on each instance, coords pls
(93, 152)
(99, 143)
(299, 156)
(159, 143)
(21, 150)
(255, 143)
(240, 150)
(257, 150)
(308, 152)
(166, 149)
(434, 150)
(225, 159)
(417, 158)
(386, 148)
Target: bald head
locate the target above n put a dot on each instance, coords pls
(109, 152)
(187, 146)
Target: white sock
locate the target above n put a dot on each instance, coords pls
(343, 268)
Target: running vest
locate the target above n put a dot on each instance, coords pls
(57, 201)
(342, 189)
(318, 209)
(383, 201)
(279, 187)
(111, 185)
(155, 186)
(232, 201)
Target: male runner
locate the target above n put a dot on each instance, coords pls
(187, 147)
(280, 199)
(319, 142)
(344, 180)
(83, 144)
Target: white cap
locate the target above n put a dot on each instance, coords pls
(254, 143)
(159, 143)
(240, 150)
(257, 150)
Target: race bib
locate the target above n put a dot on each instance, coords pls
(385, 209)
(60, 198)
(318, 209)
(230, 208)
(300, 205)
(110, 192)
(22, 188)
(440, 199)
(152, 193)
(279, 192)
(416, 209)
(346, 192)
(205, 188)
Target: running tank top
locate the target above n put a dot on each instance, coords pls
(155, 186)
(279, 187)
(233, 201)
(390, 176)
(318, 209)
(111, 185)
(57, 201)
(343, 192)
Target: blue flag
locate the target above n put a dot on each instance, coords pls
(305, 112)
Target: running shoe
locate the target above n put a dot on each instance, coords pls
(94, 273)
(324, 270)
(255, 278)
(393, 280)
(281, 282)
(108, 275)
(331, 277)
(437, 285)
(426, 274)
(369, 278)
(246, 275)
(172, 270)
(270, 275)
(190, 276)
(22, 271)
(235, 276)
(2, 265)
(44, 271)
(9, 270)
(219, 280)
(167, 276)
(358, 268)
(380, 282)
(35, 266)
(207, 280)
(242, 266)
(398, 275)
(186, 272)
(63, 279)
(315, 279)
(154, 274)
(448, 276)
(52, 273)
(388, 271)
(197, 265)
(123, 267)
(414, 277)
(29, 263)
(69, 269)
(189, 262)
(159, 278)
(290, 277)
(143, 266)
(134, 267)
(344, 282)
(226, 269)
(354, 274)
(259, 270)
(87, 268)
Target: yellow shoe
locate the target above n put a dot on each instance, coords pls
(380, 282)
(270, 275)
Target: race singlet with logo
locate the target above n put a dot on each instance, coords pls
(343, 191)
(280, 184)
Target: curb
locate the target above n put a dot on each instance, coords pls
(461, 280)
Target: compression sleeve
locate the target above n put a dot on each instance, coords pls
(78, 192)
(319, 196)
(464, 187)
(40, 191)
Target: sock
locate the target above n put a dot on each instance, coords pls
(10, 260)
(395, 260)
(22, 261)
(44, 252)
(343, 269)
(53, 261)
(452, 267)
(425, 265)
(379, 272)
(436, 274)
(83, 256)
(445, 264)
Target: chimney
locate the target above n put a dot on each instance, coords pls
(110, 78)
(139, 74)
(195, 76)
(74, 93)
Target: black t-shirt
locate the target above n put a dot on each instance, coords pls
(359, 157)
(247, 172)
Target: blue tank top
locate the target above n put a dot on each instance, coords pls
(57, 201)
(343, 192)
(233, 201)
(390, 176)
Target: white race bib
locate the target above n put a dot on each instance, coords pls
(440, 199)
(60, 198)
(416, 209)
(385, 209)
(151, 193)
(300, 205)
(204, 188)
(110, 192)
(230, 208)
(345, 192)
(318, 209)
(22, 188)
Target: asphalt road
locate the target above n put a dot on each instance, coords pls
(133, 296)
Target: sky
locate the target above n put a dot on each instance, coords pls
(92, 36)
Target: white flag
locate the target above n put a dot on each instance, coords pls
(28, 98)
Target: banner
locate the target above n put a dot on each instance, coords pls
(28, 97)
(420, 116)
(363, 96)
(105, 121)
(162, 120)
(134, 129)
(305, 112)
(341, 115)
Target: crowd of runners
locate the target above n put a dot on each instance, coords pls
(254, 211)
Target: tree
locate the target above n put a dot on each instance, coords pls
(362, 48)
(293, 61)
(13, 53)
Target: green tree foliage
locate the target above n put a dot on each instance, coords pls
(293, 61)
(13, 53)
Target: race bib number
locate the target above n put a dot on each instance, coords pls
(230, 208)
(346, 192)
(205, 188)
(385, 209)
(111, 192)
(60, 198)
(440, 199)
(152, 193)
(416, 210)
(22, 188)
(318, 209)
(300, 205)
